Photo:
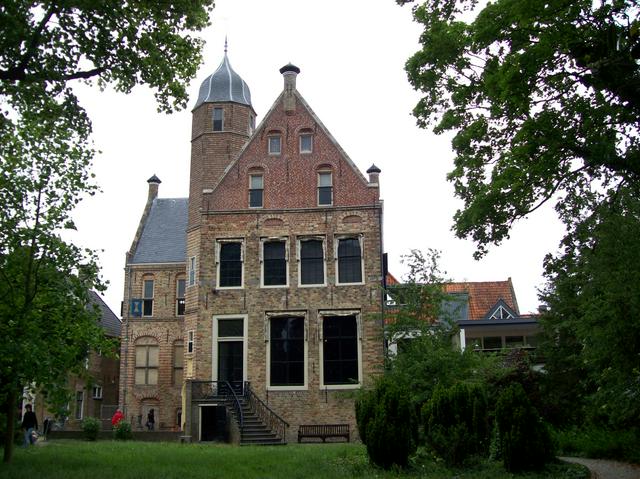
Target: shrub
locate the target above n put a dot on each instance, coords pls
(525, 442)
(122, 431)
(456, 423)
(387, 424)
(91, 427)
(599, 443)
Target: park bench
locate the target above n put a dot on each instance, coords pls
(323, 431)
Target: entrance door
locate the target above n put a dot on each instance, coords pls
(230, 362)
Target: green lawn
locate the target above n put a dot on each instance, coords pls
(139, 460)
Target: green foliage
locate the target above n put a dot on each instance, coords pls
(456, 423)
(122, 431)
(523, 437)
(387, 424)
(593, 442)
(543, 97)
(91, 427)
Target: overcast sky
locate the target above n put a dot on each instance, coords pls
(351, 54)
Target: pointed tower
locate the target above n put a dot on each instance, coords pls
(223, 119)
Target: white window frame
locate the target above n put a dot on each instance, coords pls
(267, 340)
(191, 342)
(216, 340)
(193, 267)
(144, 294)
(96, 392)
(299, 242)
(81, 409)
(286, 260)
(321, 315)
(310, 136)
(336, 243)
(178, 279)
(219, 243)
(320, 173)
(269, 138)
(251, 176)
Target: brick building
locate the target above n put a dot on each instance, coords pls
(267, 277)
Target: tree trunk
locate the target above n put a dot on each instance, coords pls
(11, 425)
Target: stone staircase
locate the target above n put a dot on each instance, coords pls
(254, 430)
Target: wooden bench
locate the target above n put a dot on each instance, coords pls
(323, 431)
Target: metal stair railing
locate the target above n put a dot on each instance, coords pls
(266, 414)
(235, 403)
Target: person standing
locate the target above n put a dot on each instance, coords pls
(29, 424)
(117, 417)
(151, 420)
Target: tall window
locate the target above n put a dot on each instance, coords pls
(147, 361)
(190, 341)
(192, 271)
(349, 260)
(325, 188)
(218, 119)
(340, 350)
(79, 404)
(230, 264)
(275, 144)
(256, 189)
(274, 264)
(180, 301)
(311, 262)
(178, 363)
(147, 295)
(306, 143)
(286, 351)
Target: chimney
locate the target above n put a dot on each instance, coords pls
(289, 72)
(374, 173)
(154, 183)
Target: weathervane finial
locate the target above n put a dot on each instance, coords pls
(225, 44)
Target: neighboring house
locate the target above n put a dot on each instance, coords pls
(487, 314)
(96, 395)
(267, 277)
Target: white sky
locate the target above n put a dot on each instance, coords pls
(351, 54)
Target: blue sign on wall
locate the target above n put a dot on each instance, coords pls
(136, 308)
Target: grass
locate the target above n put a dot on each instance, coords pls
(597, 443)
(138, 460)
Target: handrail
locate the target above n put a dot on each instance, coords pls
(268, 416)
(237, 406)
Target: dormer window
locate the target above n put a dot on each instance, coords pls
(218, 119)
(275, 144)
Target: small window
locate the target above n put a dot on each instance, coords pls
(190, 341)
(325, 188)
(256, 190)
(231, 328)
(178, 363)
(306, 143)
(349, 259)
(275, 146)
(147, 302)
(96, 392)
(180, 300)
(274, 265)
(218, 119)
(311, 262)
(192, 271)
(230, 264)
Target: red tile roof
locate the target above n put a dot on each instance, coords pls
(483, 295)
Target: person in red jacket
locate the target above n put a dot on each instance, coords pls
(117, 417)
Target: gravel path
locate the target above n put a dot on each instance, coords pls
(604, 469)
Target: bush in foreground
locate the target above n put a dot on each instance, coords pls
(456, 424)
(122, 431)
(387, 424)
(524, 439)
(91, 428)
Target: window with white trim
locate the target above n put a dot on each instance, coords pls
(147, 297)
(256, 190)
(287, 352)
(275, 266)
(96, 392)
(341, 350)
(311, 261)
(192, 271)
(146, 361)
(325, 188)
(274, 144)
(306, 143)
(190, 341)
(180, 299)
(349, 260)
(229, 258)
(79, 404)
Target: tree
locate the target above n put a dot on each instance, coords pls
(544, 98)
(45, 158)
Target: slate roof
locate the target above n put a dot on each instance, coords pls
(224, 85)
(164, 237)
(108, 320)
